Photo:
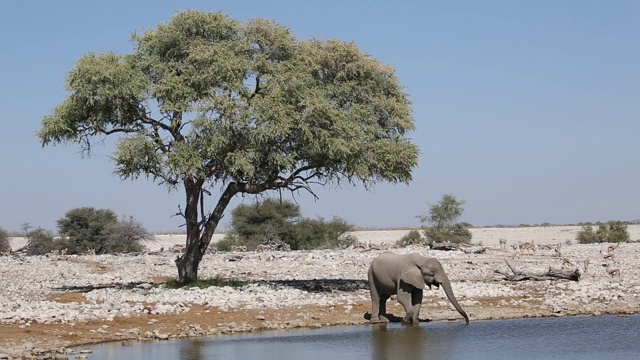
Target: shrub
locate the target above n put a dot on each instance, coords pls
(443, 218)
(613, 231)
(274, 221)
(410, 238)
(99, 229)
(125, 236)
(270, 220)
(229, 240)
(85, 228)
(320, 234)
(456, 233)
(42, 242)
(5, 246)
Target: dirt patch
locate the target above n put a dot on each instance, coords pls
(68, 297)
(98, 267)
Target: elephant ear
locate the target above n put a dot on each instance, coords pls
(412, 275)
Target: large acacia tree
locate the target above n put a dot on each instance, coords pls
(206, 102)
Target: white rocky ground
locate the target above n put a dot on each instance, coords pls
(27, 282)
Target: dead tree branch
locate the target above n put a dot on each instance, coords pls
(551, 274)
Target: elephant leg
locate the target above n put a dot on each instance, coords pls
(416, 302)
(378, 307)
(383, 308)
(406, 300)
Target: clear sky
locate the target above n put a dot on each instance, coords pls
(527, 110)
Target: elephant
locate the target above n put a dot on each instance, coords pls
(406, 275)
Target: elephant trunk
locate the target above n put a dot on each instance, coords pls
(446, 285)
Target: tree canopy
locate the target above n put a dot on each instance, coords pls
(206, 102)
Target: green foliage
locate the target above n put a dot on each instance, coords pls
(444, 213)
(85, 228)
(205, 283)
(321, 234)
(126, 236)
(42, 242)
(456, 233)
(273, 221)
(229, 240)
(205, 101)
(412, 237)
(5, 246)
(269, 220)
(443, 218)
(99, 229)
(610, 232)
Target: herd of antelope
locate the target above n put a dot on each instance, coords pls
(608, 256)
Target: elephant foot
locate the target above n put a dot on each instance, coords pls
(379, 319)
(408, 320)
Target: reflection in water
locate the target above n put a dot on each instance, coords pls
(413, 342)
(193, 350)
(584, 338)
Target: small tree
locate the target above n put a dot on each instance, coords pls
(612, 231)
(267, 220)
(126, 236)
(321, 234)
(280, 220)
(99, 229)
(85, 228)
(5, 246)
(443, 218)
(205, 101)
(42, 242)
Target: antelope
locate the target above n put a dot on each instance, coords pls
(585, 264)
(613, 247)
(234, 248)
(177, 248)
(263, 247)
(503, 243)
(360, 245)
(614, 272)
(608, 256)
(566, 261)
(515, 255)
(528, 246)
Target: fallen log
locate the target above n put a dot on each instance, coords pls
(444, 246)
(551, 274)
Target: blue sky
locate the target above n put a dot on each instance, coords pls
(528, 111)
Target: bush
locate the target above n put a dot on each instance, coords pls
(456, 233)
(443, 218)
(5, 246)
(613, 231)
(410, 238)
(42, 242)
(99, 229)
(319, 234)
(274, 221)
(268, 221)
(229, 240)
(125, 236)
(85, 228)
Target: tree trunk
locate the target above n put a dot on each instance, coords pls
(199, 234)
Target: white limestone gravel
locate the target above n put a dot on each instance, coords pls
(27, 282)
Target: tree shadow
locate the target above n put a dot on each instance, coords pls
(319, 285)
(125, 286)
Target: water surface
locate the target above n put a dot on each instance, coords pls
(602, 337)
